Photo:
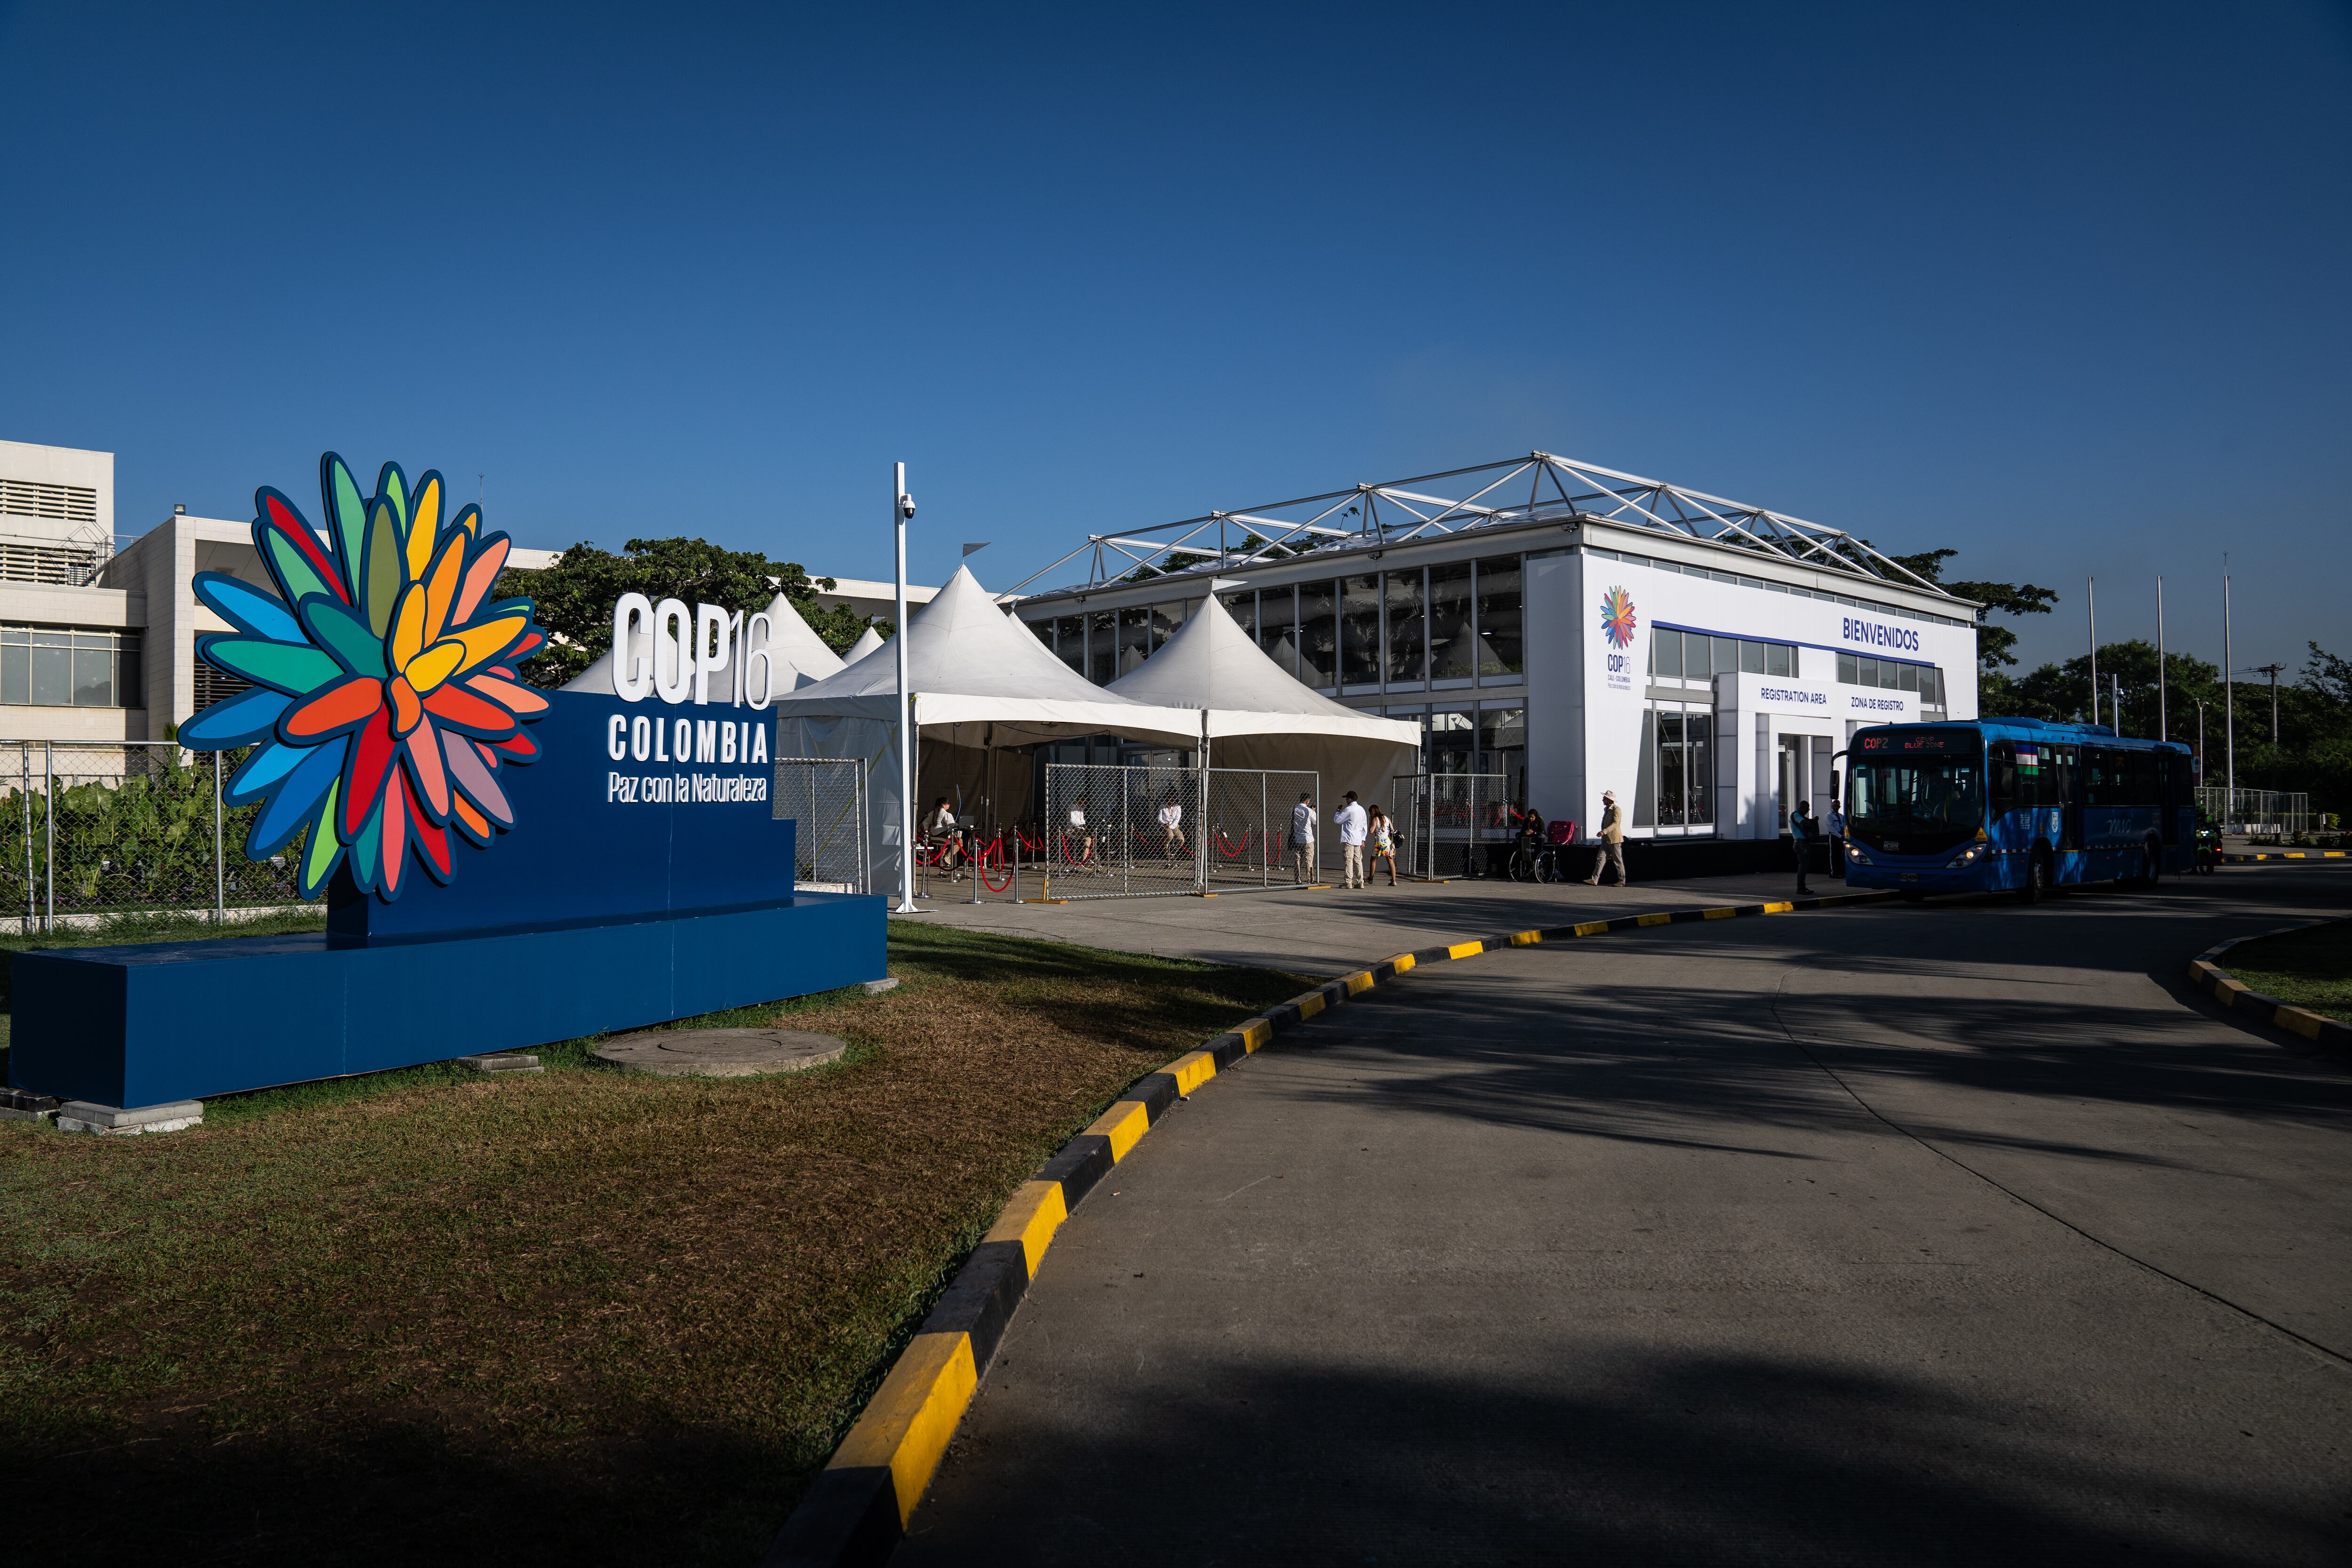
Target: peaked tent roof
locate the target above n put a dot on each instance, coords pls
(970, 663)
(795, 653)
(868, 641)
(1210, 663)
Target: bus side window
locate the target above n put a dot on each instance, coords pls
(2000, 765)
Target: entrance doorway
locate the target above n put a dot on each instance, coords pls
(1791, 779)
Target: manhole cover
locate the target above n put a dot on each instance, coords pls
(721, 1053)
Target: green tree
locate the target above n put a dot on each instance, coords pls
(576, 597)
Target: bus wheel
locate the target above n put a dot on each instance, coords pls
(2037, 880)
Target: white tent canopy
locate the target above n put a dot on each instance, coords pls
(979, 678)
(969, 663)
(868, 641)
(797, 656)
(1256, 715)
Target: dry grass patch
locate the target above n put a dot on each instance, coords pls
(588, 1316)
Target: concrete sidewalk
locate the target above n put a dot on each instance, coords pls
(1330, 931)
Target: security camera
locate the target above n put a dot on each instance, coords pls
(906, 506)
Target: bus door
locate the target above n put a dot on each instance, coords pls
(2063, 765)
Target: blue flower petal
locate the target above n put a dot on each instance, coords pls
(267, 764)
(248, 717)
(255, 611)
(297, 799)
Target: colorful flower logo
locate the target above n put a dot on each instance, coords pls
(1617, 621)
(385, 694)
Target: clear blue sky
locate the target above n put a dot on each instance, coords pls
(2067, 292)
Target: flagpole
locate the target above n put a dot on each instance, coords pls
(2163, 729)
(902, 507)
(2091, 605)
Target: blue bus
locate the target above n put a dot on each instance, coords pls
(2014, 804)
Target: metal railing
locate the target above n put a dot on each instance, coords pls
(1450, 822)
(827, 796)
(96, 829)
(2259, 813)
(1130, 831)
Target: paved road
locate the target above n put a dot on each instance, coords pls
(1950, 1234)
(1339, 929)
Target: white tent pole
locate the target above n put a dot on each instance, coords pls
(902, 507)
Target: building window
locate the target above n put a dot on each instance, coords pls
(1102, 646)
(1685, 771)
(1242, 607)
(1277, 625)
(1134, 636)
(1695, 656)
(69, 667)
(1167, 620)
(1070, 641)
(1449, 622)
(1318, 635)
(1360, 629)
(1503, 748)
(1404, 628)
(1452, 741)
(1500, 617)
(1891, 675)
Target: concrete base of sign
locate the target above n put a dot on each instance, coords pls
(510, 1063)
(145, 1025)
(722, 1053)
(117, 1121)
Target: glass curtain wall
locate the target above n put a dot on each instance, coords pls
(1167, 620)
(1503, 748)
(1501, 616)
(1242, 607)
(1684, 769)
(1277, 628)
(1406, 631)
(1102, 648)
(1070, 641)
(1318, 635)
(1134, 636)
(1360, 630)
(1449, 622)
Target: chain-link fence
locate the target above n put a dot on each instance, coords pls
(2259, 813)
(1113, 831)
(827, 795)
(89, 830)
(1453, 823)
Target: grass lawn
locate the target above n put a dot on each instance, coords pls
(2309, 968)
(586, 1316)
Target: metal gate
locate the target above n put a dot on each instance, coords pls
(827, 795)
(1454, 818)
(1113, 831)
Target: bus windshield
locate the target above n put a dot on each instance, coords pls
(1928, 800)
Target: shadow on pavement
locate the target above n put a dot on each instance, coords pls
(1659, 1459)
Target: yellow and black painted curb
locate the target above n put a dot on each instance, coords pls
(858, 1510)
(2244, 858)
(2238, 998)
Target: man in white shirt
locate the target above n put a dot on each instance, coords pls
(1302, 839)
(1351, 818)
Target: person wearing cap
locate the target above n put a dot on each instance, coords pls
(1613, 840)
(1801, 832)
(1349, 819)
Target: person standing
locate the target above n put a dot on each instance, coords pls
(1801, 832)
(1350, 820)
(1302, 839)
(1835, 823)
(1613, 840)
(1382, 843)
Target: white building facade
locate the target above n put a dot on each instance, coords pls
(1706, 671)
(98, 644)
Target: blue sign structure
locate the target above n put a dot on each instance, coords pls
(585, 864)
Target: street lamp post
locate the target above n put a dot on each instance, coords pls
(2091, 608)
(2228, 703)
(902, 507)
(2163, 726)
